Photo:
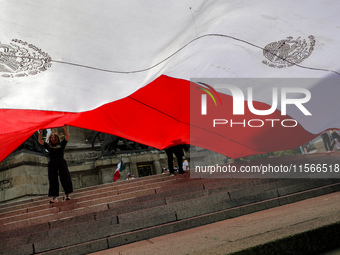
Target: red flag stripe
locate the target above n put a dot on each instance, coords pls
(156, 115)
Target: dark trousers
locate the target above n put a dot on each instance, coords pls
(178, 151)
(59, 168)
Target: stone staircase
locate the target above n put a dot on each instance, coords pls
(114, 214)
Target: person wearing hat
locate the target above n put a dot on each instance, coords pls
(129, 177)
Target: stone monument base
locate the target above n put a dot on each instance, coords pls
(24, 173)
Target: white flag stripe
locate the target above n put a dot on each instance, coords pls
(129, 36)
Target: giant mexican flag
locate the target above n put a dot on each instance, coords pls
(124, 67)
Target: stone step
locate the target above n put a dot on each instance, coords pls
(109, 236)
(11, 206)
(87, 207)
(105, 195)
(310, 226)
(192, 189)
(124, 219)
(119, 210)
(104, 203)
(114, 188)
(94, 197)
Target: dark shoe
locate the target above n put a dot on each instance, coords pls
(182, 172)
(54, 200)
(68, 198)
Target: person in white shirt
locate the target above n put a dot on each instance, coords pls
(129, 177)
(185, 165)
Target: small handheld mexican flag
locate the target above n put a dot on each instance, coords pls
(120, 168)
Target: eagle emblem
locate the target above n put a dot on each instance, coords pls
(288, 52)
(19, 59)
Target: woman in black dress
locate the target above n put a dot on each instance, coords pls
(57, 165)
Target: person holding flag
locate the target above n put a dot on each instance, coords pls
(57, 165)
(120, 168)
